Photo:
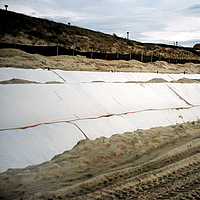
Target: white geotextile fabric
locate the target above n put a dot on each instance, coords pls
(22, 147)
(106, 127)
(37, 75)
(43, 76)
(28, 104)
(91, 103)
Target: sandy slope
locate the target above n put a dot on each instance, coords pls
(19, 59)
(159, 163)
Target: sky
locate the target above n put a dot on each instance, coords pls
(153, 21)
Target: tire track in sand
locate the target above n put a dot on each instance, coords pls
(175, 173)
(159, 163)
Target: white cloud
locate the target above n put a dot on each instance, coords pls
(176, 29)
(170, 36)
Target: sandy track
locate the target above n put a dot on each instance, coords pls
(159, 163)
(171, 176)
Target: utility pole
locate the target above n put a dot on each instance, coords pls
(6, 6)
(127, 36)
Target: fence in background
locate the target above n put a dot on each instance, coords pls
(57, 50)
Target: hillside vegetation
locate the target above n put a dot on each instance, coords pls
(22, 29)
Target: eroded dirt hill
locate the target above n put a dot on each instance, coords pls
(22, 29)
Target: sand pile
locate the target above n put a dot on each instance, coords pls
(19, 59)
(158, 163)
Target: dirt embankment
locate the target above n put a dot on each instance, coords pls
(159, 163)
(19, 59)
(18, 28)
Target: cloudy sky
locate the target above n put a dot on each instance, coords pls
(157, 21)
